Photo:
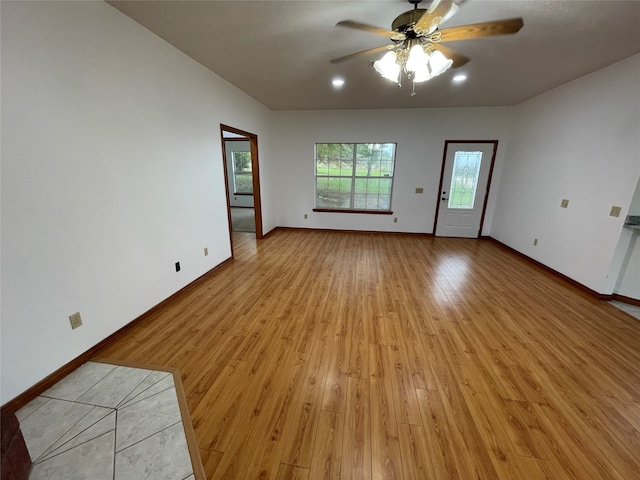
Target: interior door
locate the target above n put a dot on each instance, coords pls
(226, 133)
(464, 186)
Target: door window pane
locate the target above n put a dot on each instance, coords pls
(464, 179)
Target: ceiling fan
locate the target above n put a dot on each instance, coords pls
(420, 28)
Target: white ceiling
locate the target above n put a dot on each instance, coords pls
(279, 51)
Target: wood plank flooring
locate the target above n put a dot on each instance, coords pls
(334, 355)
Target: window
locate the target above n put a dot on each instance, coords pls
(354, 176)
(464, 180)
(242, 177)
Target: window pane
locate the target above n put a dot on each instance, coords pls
(360, 201)
(242, 178)
(243, 183)
(386, 169)
(322, 167)
(464, 179)
(372, 202)
(333, 192)
(385, 186)
(334, 159)
(368, 160)
(361, 185)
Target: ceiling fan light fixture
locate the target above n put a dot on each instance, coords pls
(439, 63)
(418, 38)
(417, 59)
(387, 67)
(422, 74)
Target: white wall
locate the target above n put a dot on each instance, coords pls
(112, 171)
(581, 142)
(230, 147)
(420, 135)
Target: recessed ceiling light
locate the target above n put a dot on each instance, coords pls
(459, 78)
(337, 82)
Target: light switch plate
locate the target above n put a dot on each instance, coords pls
(615, 211)
(564, 203)
(419, 190)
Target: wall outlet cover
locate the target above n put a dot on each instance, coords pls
(564, 203)
(75, 320)
(615, 211)
(419, 190)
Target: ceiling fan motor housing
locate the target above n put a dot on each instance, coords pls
(406, 20)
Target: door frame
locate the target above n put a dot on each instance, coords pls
(486, 195)
(255, 174)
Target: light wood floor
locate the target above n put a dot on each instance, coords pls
(325, 355)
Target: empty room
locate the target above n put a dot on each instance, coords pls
(380, 239)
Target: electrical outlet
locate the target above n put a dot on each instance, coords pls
(75, 320)
(177, 266)
(395, 219)
(305, 216)
(564, 203)
(615, 211)
(419, 190)
(535, 242)
(206, 251)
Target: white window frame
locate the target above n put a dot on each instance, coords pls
(353, 177)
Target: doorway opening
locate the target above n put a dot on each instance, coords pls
(242, 181)
(465, 179)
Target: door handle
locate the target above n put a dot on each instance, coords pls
(444, 198)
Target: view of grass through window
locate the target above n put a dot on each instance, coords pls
(354, 176)
(242, 177)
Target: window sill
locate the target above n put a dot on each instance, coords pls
(366, 212)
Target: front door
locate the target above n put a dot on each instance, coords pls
(464, 186)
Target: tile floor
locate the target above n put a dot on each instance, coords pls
(107, 422)
(630, 309)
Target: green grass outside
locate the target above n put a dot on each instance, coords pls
(343, 185)
(244, 183)
(334, 171)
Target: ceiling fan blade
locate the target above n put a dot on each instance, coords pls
(485, 29)
(366, 28)
(370, 51)
(458, 59)
(435, 14)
